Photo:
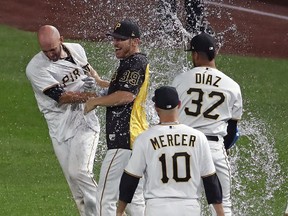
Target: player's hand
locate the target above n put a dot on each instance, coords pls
(91, 72)
(103, 92)
(104, 83)
(89, 84)
(89, 105)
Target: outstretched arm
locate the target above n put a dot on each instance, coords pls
(93, 73)
(115, 99)
(58, 94)
(75, 97)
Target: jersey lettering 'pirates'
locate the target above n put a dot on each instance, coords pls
(45, 78)
(57, 75)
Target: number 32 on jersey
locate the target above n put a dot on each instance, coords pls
(199, 103)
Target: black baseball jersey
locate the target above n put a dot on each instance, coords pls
(125, 122)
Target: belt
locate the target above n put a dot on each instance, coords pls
(212, 138)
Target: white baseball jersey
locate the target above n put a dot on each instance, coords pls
(43, 73)
(209, 98)
(173, 158)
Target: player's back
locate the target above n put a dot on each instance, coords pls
(208, 99)
(176, 158)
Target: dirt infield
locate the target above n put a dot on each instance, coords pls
(257, 28)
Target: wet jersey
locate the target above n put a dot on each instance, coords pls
(63, 120)
(125, 122)
(209, 98)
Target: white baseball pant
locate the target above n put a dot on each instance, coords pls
(172, 207)
(76, 157)
(223, 172)
(112, 169)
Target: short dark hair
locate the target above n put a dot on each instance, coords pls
(203, 43)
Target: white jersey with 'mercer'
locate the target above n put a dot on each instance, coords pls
(209, 98)
(43, 73)
(173, 159)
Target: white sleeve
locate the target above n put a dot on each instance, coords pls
(207, 164)
(137, 163)
(36, 72)
(175, 82)
(237, 109)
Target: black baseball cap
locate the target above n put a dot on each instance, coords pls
(166, 97)
(203, 43)
(125, 29)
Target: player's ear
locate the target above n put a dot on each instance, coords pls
(135, 42)
(61, 39)
(179, 104)
(194, 55)
(156, 108)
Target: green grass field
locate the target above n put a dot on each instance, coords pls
(31, 182)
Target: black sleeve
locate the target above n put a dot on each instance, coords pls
(54, 92)
(231, 133)
(213, 189)
(128, 185)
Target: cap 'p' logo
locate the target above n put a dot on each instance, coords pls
(117, 26)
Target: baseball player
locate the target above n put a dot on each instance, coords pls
(211, 103)
(174, 159)
(56, 75)
(125, 116)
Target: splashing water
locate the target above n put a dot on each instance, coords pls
(254, 159)
(255, 162)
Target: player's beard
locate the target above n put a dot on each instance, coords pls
(124, 49)
(193, 59)
(56, 55)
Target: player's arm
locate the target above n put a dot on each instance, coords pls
(90, 71)
(213, 192)
(115, 99)
(127, 188)
(232, 134)
(121, 208)
(219, 209)
(76, 97)
(58, 94)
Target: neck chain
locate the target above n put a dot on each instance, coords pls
(169, 123)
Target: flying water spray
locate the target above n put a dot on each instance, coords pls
(254, 159)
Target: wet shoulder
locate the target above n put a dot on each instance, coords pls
(139, 58)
